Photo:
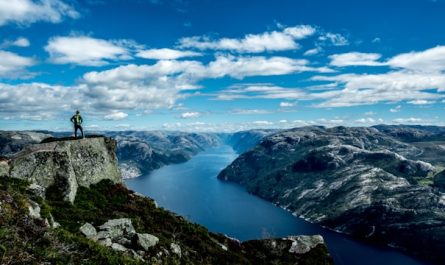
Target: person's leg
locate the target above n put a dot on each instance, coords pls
(81, 129)
(75, 131)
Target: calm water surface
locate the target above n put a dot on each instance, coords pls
(192, 190)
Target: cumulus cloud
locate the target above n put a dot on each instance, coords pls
(286, 39)
(166, 54)
(421, 102)
(335, 39)
(115, 116)
(411, 120)
(313, 51)
(19, 42)
(369, 121)
(430, 60)
(13, 65)
(355, 59)
(25, 12)
(190, 115)
(84, 50)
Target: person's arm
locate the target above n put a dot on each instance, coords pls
(81, 120)
(72, 119)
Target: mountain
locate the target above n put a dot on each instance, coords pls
(105, 223)
(14, 141)
(140, 152)
(360, 181)
(244, 140)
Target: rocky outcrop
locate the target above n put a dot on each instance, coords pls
(64, 165)
(358, 181)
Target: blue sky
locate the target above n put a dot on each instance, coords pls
(220, 65)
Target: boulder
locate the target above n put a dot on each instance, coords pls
(175, 249)
(4, 168)
(116, 228)
(147, 241)
(118, 247)
(304, 244)
(88, 230)
(64, 165)
(34, 210)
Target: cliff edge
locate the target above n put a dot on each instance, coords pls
(65, 164)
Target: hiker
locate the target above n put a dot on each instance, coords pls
(77, 121)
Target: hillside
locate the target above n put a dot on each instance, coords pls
(358, 181)
(105, 223)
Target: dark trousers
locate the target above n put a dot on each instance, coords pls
(77, 127)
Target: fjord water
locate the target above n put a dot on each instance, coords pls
(191, 189)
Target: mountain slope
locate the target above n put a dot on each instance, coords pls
(358, 181)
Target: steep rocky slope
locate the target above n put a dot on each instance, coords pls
(358, 181)
(106, 223)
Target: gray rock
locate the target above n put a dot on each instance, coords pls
(304, 244)
(68, 164)
(116, 228)
(37, 190)
(176, 249)
(34, 210)
(123, 241)
(4, 169)
(147, 241)
(118, 247)
(105, 242)
(88, 230)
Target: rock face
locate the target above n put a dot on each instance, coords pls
(358, 181)
(64, 165)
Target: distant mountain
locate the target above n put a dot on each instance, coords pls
(140, 152)
(245, 140)
(14, 141)
(360, 181)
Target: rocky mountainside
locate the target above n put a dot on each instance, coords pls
(359, 181)
(245, 140)
(14, 141)
(106, 223)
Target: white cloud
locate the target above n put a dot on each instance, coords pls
(355, 59)
(262, 123)
(84, 50)
(25, 12)
(411, 120)
(13, 65)
(253, 43)
(264, 91)
(370, 113)
(115, 116)
(396, 109)
(19, 42)
(166, 54)
(190, 115)
(420, 102)
(335, 39)
(287, 104)
(250, 111)
(430, 60)
(369, 121)
(376, 40)
(313, 51)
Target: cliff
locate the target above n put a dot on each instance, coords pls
(358, 181)
(67, 164)
(66, 197)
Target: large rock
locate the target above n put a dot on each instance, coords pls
(116, 228)
(67, 164)
(147, 241)
(88, 230)
(4, 168)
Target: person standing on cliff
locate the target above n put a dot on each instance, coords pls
(77, 121)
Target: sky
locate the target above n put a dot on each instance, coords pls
(204, 65)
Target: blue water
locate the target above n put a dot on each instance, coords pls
(192, 190)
